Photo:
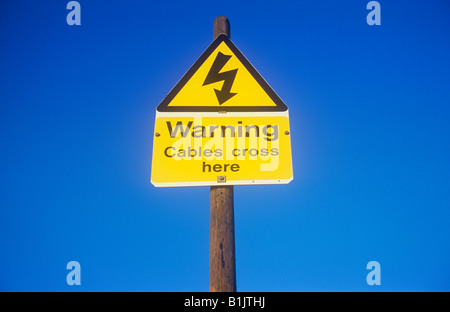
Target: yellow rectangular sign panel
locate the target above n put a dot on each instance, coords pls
(210, 149)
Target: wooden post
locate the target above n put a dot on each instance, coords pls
(221, 26)
(222, 258)
(222, 261)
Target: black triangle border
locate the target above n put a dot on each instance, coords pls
(164, 105)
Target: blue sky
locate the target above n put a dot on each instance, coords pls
(369, 116)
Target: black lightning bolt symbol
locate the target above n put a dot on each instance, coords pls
(214, 75)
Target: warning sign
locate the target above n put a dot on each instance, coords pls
(222, 79)
(221, 124)
(211, 150)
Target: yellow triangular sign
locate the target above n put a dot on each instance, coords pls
(222, 79)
